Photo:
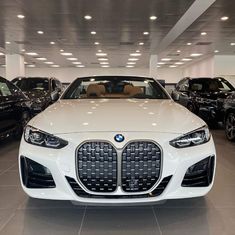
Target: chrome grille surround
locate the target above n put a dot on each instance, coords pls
(97, 166)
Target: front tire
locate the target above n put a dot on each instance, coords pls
(230, 126)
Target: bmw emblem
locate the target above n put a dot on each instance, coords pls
(119, 138)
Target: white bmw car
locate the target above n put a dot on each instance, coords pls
(116, 139)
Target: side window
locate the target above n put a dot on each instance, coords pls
(58, 85)
(5, 90)
(53, 85)
(183, 86)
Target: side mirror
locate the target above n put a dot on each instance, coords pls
(55, 96)
(175, 96)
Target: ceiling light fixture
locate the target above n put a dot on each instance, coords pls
(153, 17)
(48, 62)
(146, 33)
(32, 53)
(76, 62)
(52, 43)
(21, 16)
(41, 58)
(87, 17)
(80, 66)
(135, 54)
(93, 32)
(166, 59)
(101, 54)
(23, 50)
(224, 18)
(31, 65)
(7, 42)
(232, 43)
(137, 51)
(105, 66)
(186, 59)
(131, 63)
(141, 43)
(195, 54)
(161, 63)
(158, 66)
(55, 66)
(189, 44)
(178, 51)
(1, 54)
(40, 32)
(99, 50)
(102, 59)
(172, 66)
(179, 63)
(203, 33)
(96, 43)
(133, 59)
(104, 62)
(66, 53)
(130, 66)
(72, 59)
(216, 51)
(61, 50)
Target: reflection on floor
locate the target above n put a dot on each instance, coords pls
(214, 214)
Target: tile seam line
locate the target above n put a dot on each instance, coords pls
(156, 220)
(83, 218)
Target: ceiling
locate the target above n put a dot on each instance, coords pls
(119, 27)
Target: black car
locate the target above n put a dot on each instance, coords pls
(229, 107)
(42, 91)
(14, 110)
(204, 97)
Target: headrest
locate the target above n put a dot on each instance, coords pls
(95, 90)
(127, 89)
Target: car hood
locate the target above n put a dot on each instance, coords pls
(37, 94)
(214, 95)
(117, 115)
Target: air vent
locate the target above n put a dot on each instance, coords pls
(203, 43)
(126, 43)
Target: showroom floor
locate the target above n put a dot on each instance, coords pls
(214, 214)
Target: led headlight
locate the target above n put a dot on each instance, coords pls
(37, 137)
(194, 138)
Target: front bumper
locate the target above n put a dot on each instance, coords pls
(61, 164)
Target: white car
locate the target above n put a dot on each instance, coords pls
(116, 139)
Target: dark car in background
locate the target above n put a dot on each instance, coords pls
(42, 91)
(14, 110)
(204, 97)
(229, 120)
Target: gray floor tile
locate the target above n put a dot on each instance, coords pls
(10, 178)
(11, 197)
(196, 221)
(123, 220)
(44, 221)
(5, 165)
(5, 216)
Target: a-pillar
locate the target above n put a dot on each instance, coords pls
(153, 66)
(14, 66)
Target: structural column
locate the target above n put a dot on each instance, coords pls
(14, 66)
(153, 66)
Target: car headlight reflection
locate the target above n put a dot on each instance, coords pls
(37, 137)
(194, 138)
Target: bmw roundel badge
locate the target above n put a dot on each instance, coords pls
(119, 138)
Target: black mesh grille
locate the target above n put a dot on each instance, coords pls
(141, 163)
(97, 166)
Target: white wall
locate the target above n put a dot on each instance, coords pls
(170, 75)
(203, 68)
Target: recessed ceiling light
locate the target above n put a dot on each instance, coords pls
(186, 59)
(130, 66)
(203, 33)
(23, 50)
(135, 54)
(224, 18)
(52, 43)
(105, 66)
(1, 54)
(66, 53)
(102, 59)
(41, 58)
(133, 59)
(25, 62)
(21, 16)
(96, 43)
(104, 62)
(137, 51)
(32, 53)
(232, 43)
(153, 17)
(172, 66)
(8, 42)
(61, 50)
(31, 65)
(216, 51)
(87, 17)
(99, 50)
(178, 51)
(80, 66)
(195, 54)
(158, 66)
(55, 66)
(131, 63)
(48, 62)
(101, 54)
(189, 44)
(40, 32)
(161, 63)
(72, 59)
(166, 59)
(141, 43)
(93, 32)
(179, 63)
(146, 33)
(76, 62)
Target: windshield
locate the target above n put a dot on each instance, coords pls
(212, 85)
(32, 84)
(115, 88)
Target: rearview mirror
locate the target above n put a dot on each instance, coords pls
(175, 96)
(55, 96)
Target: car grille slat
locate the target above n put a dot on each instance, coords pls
(97, 166)
(141, 165)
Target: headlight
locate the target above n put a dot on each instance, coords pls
(37, 137)
(197, 137)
